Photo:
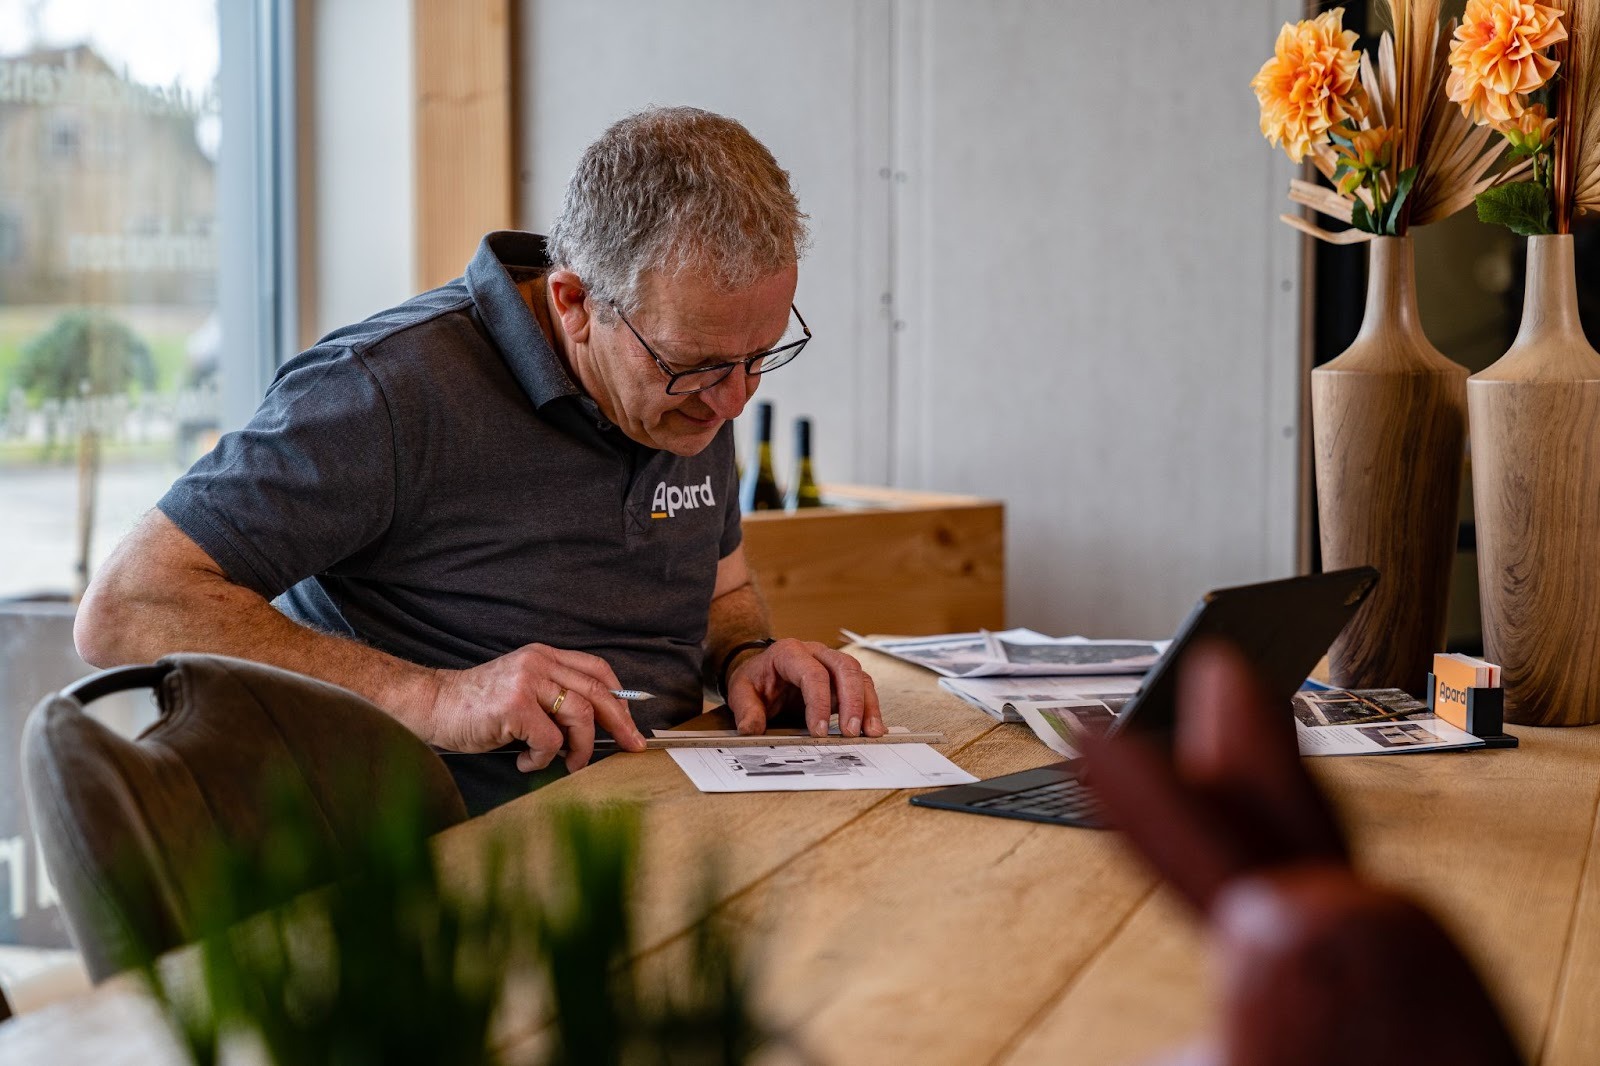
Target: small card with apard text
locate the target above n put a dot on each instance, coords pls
(1453, 676)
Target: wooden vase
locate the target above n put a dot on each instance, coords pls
(1536, 489)
(1389, 422)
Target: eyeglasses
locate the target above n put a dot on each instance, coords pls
(701, 378)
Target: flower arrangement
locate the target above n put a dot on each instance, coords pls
(1503, 74)
(1397, 154)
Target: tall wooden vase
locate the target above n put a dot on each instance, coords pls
(1536, 489)
(1389, 420)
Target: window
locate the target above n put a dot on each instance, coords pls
(64, 139)
(142, 288)
(127, 223)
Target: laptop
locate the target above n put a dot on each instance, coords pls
(1281, 627)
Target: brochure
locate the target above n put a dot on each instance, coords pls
(1018, 652)
(1382, 721)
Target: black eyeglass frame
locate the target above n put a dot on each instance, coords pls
(722, 370)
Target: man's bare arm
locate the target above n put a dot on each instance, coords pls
(738, 614)
(160, 593)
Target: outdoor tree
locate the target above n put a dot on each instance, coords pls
(84, 356)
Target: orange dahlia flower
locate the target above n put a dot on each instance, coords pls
(1311, 83)
(1498, 57)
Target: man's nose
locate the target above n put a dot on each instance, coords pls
(728, 396)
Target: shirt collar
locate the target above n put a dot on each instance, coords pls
(510, 322)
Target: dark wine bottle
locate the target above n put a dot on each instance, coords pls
(803, 491)
(759, 490)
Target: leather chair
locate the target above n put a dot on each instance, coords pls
(127, 826)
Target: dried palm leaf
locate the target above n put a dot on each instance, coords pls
(1322, 199)
(1576, 182)
(1344, 236)
(1376, 114)
(1463, 199)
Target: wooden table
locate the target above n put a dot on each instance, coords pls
(896, 934)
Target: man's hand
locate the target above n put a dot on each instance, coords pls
(547, 697)
(791, 674)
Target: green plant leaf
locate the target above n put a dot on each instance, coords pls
(1360, 218)
(1391, 211)
(1521, 206)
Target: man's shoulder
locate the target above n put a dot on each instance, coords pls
(430, 337)
(406, 324)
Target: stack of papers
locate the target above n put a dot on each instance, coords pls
(1019, 652)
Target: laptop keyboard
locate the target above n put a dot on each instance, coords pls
(1068, 799)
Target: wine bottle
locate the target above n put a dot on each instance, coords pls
(759, 490)
(803, 491)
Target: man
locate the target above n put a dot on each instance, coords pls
(488, 507)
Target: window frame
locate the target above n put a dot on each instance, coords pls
(258, 202)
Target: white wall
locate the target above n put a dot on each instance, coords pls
(1101, 309)
(364, 253)
(810, 80)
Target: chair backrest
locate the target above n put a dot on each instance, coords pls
(127, 826)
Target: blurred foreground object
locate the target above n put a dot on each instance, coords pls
(1317, 965)
(517, 955)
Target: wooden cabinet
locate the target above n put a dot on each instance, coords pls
(881, 560)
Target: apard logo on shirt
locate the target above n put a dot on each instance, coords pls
(670, 499)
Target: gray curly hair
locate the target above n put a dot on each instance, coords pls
(670, 189)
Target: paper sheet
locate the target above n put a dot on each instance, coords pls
(1001, 696)
(1062, 723)
(814, 768)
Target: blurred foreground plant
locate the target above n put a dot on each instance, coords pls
(398, 961)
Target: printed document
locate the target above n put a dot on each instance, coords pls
(1018, 652)
(818, 767)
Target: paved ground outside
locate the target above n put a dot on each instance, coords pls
(39, 518)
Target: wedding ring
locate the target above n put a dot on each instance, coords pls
(555, 708)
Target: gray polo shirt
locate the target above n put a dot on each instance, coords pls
(432, 483)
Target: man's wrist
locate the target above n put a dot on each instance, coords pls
(412, 696)
(731, 657)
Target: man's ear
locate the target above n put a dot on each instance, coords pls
(570, 300)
